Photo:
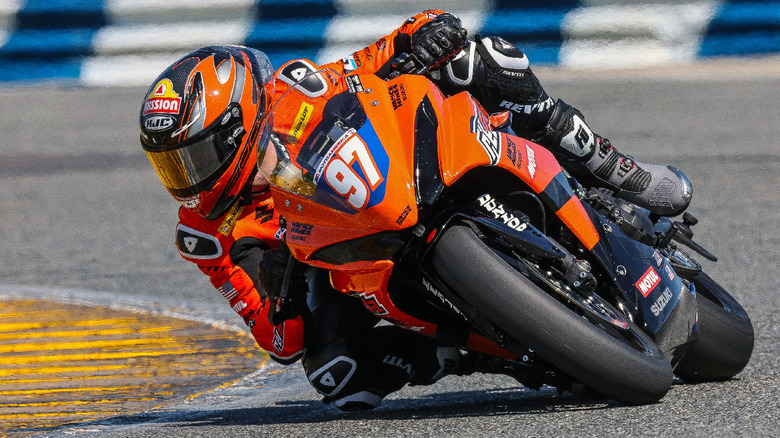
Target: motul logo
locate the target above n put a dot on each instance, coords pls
(648, 281)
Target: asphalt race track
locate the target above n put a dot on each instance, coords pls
(84, 218)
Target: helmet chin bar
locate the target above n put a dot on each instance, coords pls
(224, 203)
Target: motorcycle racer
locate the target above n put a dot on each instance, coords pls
(200, 124)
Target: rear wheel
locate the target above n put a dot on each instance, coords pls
(623, 364)
(725, 336)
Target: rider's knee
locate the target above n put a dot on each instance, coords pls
(340, 383)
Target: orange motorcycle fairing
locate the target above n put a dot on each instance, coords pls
(376, 198)
(467, 141)
(357, 192)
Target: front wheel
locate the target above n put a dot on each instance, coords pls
(725, 336)
(622, 364)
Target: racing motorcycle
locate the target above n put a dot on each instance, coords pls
(441, 221)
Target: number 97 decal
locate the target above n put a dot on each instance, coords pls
(343, 178)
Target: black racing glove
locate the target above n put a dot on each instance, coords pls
(284, 282)
(438, 40)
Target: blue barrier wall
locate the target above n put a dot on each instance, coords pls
(127, 42)
(743, 27)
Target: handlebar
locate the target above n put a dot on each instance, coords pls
(409, 63)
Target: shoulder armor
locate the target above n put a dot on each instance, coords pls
(500, 53)
(300, 72)
(194, 244)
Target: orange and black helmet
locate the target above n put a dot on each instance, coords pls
(200, 124)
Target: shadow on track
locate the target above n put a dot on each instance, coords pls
(458, 404)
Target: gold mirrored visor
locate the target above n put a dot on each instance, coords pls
(193, 165)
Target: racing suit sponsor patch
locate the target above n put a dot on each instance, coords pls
(354, 85)
(349, 63)
(527, 108)
(278, 340)
(230, 220)
(228, 291)
(301, 120)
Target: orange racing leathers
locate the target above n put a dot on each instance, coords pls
(229, 248)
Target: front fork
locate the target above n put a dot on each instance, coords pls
(539, 257)
(554, 268)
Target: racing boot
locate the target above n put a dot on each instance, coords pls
(663, 190)
(365, 391)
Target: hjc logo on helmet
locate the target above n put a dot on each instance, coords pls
(159, 123)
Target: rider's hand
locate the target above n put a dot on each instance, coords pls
(438, 40)
(274, 266)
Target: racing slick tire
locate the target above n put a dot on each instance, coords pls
(726, 336)
(627, 366)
